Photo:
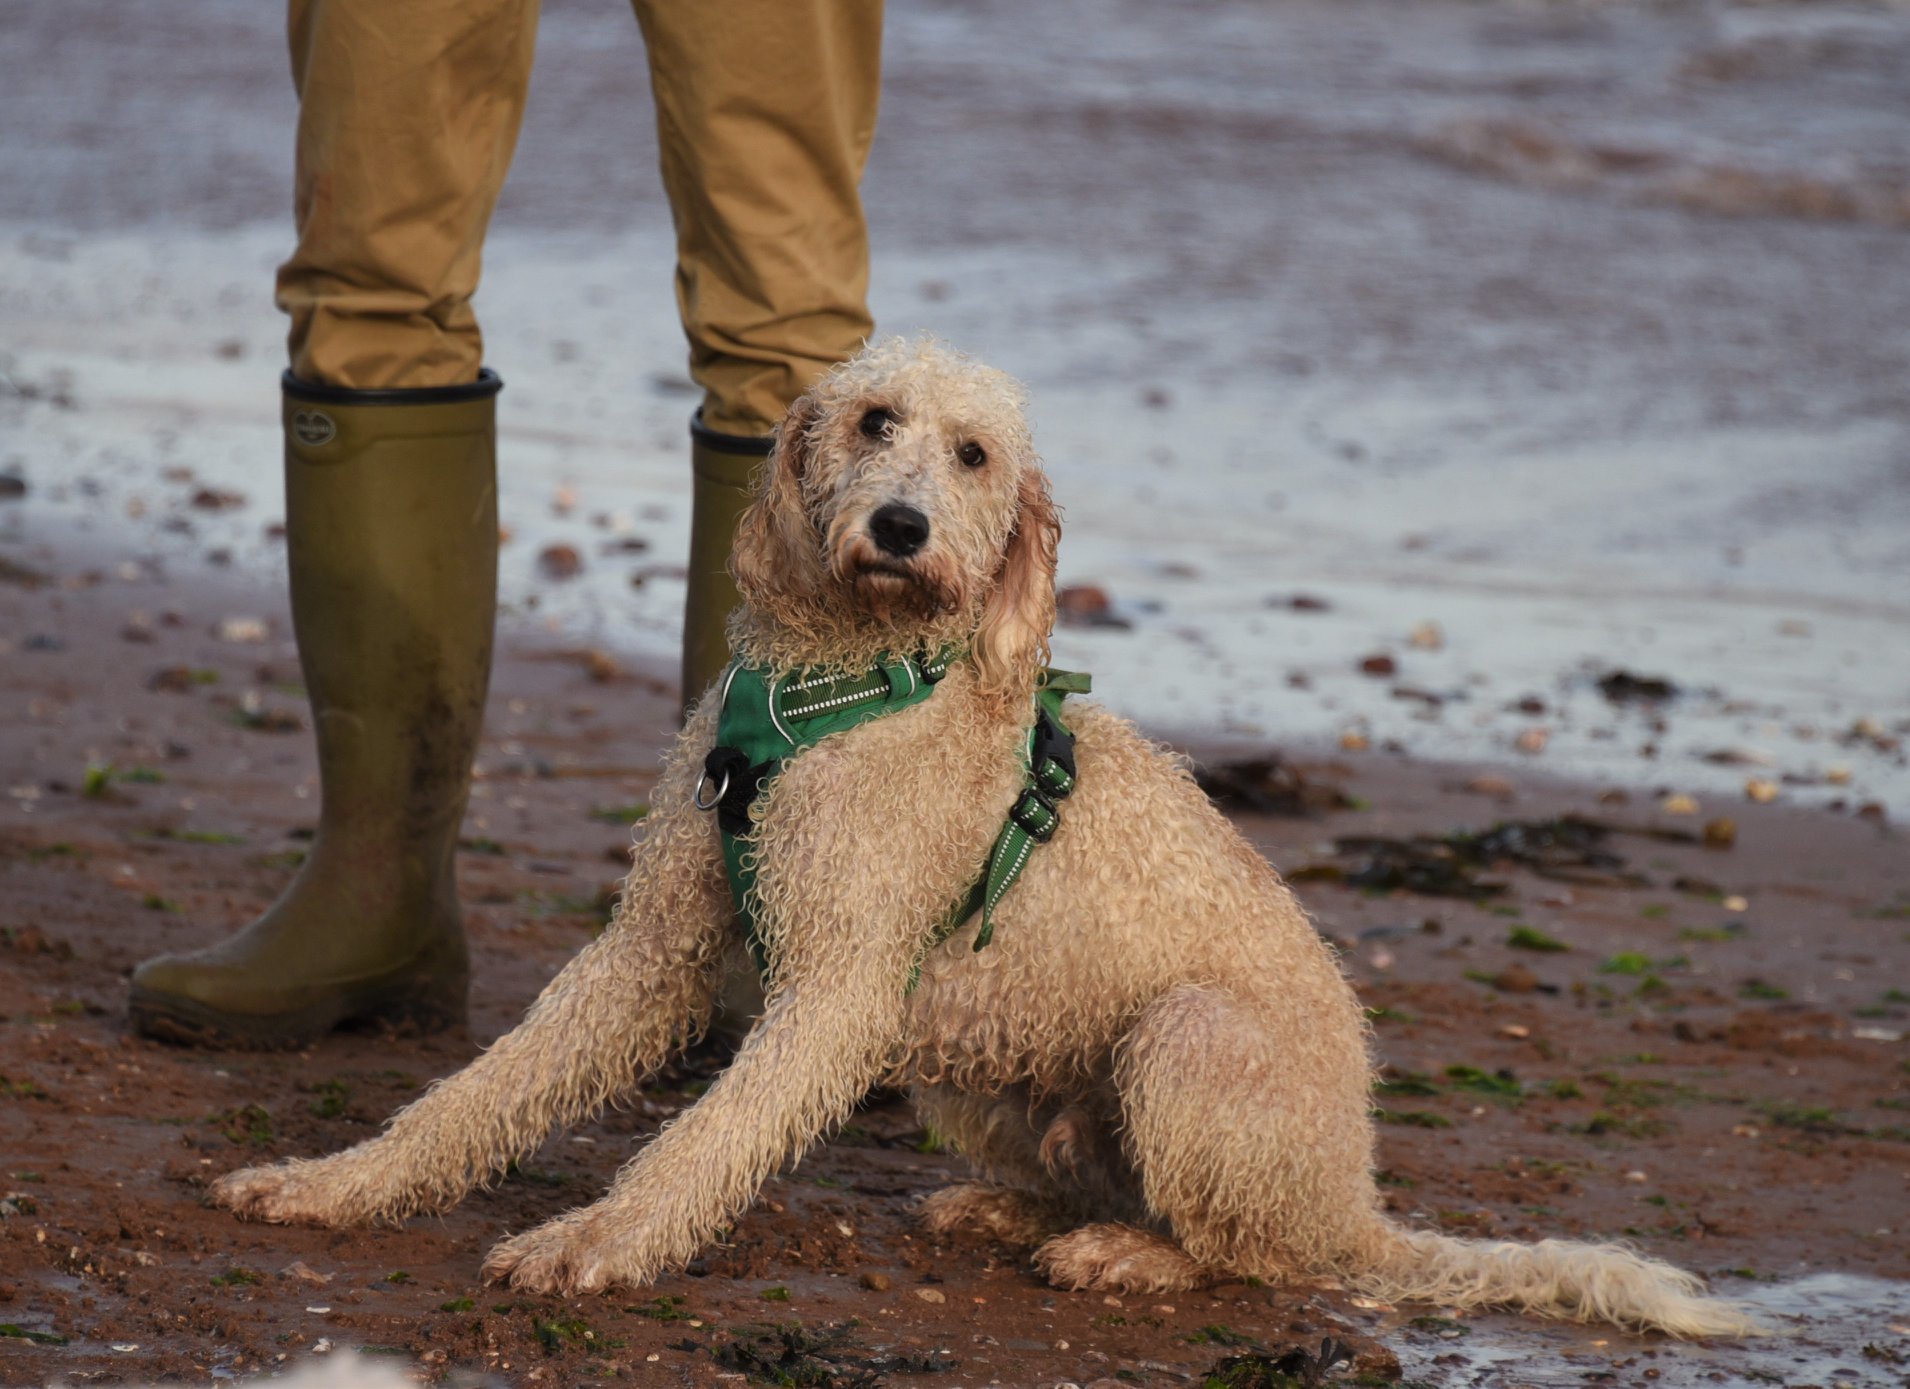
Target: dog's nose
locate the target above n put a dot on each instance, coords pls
(898, 530)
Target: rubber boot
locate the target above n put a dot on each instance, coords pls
(723, 467)
(391, 527)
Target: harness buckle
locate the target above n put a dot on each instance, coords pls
(1051, 757)
(1036, 815)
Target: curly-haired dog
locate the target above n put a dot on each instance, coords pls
(1157, 1064)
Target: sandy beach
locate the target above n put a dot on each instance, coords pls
(1482, 433)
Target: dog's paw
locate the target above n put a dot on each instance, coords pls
(1119, 1258)
(566, 1256)
(291, 1193)
(1013, 1217)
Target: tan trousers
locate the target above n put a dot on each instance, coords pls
(408, 114)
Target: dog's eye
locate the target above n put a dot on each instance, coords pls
(973, 455)
(876, 423)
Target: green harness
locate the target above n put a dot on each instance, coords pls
(765, 720)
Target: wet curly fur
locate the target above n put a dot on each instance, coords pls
(1157, 1066)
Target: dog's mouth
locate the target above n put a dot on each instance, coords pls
(889, 588)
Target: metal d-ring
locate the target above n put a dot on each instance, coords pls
(696, 796)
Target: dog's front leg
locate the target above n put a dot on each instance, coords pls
(614, 1014)
(821, 1044)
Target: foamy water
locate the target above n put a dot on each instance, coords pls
(1829, 1329)
(1622, 387)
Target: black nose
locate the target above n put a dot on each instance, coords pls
(898, 530)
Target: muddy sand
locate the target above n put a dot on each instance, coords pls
(1622, 1030)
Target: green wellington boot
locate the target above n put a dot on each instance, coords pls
(391, 524)
(723, 466)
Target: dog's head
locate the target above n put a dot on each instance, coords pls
(903, 506)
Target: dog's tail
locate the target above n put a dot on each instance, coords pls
(1552, 1278)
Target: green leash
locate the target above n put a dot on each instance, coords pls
(765, 720)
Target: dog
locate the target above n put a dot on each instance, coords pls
(1157, 1067)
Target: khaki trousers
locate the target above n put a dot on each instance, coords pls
(408, 114)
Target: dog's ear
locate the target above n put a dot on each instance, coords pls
(774, 540)
(1011, 641)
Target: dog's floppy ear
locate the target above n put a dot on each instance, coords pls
(774, 539)
(1011, 640)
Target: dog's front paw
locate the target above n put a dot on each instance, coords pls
(568, 1255)
(298, 1192)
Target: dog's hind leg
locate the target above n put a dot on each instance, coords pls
(615, 1013)
(1250, 1134)
(1014, 1203)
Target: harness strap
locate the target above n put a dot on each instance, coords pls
(764, 720)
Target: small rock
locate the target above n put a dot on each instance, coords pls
(560, 562)
(1379, 665)
(1735, 903)
(1528, 704)
(1720, 833)
(212, 499)
(1352, 740)
(601, 666)
(1738, 757)
(1087, 605)
(931, 1294)
(1761, 789)
(305, 1273)
(1625, 687)
(1427, 636)
(1515, 979)
(1304, 603)
(1489, 786)
(172, 680)
(12, 488)
(876, 1282)
(244, 631)
(1533, 740)
(1679, 804)
(1513, 1031)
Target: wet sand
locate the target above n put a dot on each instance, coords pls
(1721, 1081)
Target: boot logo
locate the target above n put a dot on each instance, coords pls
(313, 427)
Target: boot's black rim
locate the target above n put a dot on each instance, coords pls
(744, 445)
(488, 384)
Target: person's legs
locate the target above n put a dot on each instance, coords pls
(765, 113)
(408, 115)
(407, 118)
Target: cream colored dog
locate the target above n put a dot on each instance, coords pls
(1157, 1064)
